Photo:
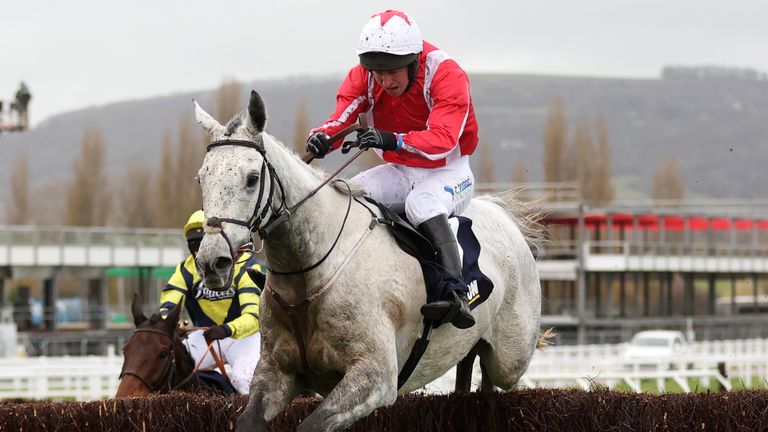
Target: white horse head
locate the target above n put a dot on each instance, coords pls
(231, 181)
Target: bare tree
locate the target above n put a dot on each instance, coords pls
(132, 209)
(166, 200)
(18, 208)
(189, 156)
(667, 181)
(486, 169)
(88, 198)
(555, 131)
(300, 129)
(602, 186)
(578, 163)
(228, 99)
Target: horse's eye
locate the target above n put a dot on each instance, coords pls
(164, 354)
(251, 180)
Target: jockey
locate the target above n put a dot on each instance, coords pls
(422, 123)
(232, 316)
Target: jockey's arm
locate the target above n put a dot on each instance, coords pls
(351, 100)
(450, 110)
(248, 295)
(175, 290)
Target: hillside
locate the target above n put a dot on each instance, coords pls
(714, 125)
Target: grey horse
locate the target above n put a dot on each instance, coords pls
(359, 308)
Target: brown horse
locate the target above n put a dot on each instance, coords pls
(155, 359)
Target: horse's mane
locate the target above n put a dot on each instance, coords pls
(527, 215)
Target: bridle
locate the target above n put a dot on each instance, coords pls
(258, 222)
(168, 371)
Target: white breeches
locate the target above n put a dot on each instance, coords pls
(422, 193)
(240, 354)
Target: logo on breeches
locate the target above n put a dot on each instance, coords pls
(459, 188)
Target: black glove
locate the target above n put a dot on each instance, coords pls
(373, 138)
(318, 144)
(214, 333)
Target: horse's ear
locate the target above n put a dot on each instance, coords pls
(138, 314)
(211, 126)
(257, 112)
(172, 320)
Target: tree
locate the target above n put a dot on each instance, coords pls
(165, 193)
(132, 209)
(18, 209)
(667, 181)
(300, 129)
(88, 199)
(228, 99)
(555, 131)
(486, 170)
(601, 188)
(189, 156)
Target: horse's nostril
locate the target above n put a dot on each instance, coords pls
(222, 264)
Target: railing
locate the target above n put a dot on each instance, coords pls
(81, 378)
(89, 378)
(94, 247)
(585, 366)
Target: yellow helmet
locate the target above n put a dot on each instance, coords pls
(195, 222)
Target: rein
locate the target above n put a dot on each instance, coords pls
(282, 213)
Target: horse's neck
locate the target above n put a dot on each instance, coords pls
(311, 229)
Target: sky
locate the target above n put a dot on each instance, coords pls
(79, 53)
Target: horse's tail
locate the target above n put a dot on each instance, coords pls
(545, 338)
(527, 215)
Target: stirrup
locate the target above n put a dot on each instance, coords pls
(441, 311)
(463, 318)
(454, 311)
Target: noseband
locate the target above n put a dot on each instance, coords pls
(167, 375)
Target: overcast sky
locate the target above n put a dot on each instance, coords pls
(78, 53)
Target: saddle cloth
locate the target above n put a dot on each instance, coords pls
(476, 286)
(217, 381)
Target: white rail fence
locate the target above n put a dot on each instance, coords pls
(91, 378)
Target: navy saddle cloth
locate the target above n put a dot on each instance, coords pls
(217, 381)
(476, 286)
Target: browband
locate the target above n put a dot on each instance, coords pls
(258, 145)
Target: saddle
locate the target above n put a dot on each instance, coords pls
(439, 283)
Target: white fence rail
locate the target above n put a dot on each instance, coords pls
(81, 378)
(90, 378)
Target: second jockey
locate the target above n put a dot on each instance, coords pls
(231, 316)
(421, 121)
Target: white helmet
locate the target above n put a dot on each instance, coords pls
(389, 40)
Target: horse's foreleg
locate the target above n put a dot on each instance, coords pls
(271, 390)
(367, 385)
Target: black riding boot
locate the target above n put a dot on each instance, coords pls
(454, 309)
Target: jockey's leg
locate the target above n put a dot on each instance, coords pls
(198, 348)
(242, 356)
(386, 184)
(446, 190)
(455, 308)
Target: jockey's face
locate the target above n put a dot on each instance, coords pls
(393, 81)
